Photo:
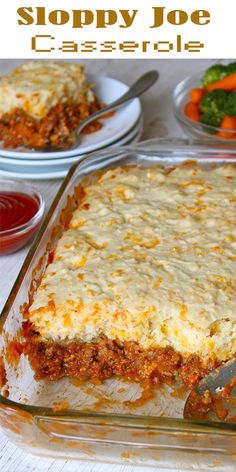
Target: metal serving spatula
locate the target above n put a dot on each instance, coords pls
(214, 385)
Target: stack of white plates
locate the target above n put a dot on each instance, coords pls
(124, 127)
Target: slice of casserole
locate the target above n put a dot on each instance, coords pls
(143, 283)
(41, 102)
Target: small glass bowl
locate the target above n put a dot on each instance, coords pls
(11, 240)
(191, 127)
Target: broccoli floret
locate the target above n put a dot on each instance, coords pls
(214, 73)
(210, 119)
(217, 72)
(213, 105)
(230, 107)
(214, 100)
(231, 68)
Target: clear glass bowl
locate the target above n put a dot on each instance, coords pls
(15, 238)
(191, 127)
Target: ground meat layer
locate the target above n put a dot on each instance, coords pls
(19, 129)
(104, 358)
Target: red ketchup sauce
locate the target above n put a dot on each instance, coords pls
(16, 210)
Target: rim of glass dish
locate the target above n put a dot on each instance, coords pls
(142, 421)
(31, 191)
(179, 89)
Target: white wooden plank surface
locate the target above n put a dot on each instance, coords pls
(158, 122)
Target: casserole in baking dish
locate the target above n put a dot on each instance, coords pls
(142, 283)
(106, 421)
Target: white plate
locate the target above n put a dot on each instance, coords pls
(42, 161)
(7, 162)
(56, 174)
(107, 90)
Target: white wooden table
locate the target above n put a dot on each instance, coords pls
(158, 122)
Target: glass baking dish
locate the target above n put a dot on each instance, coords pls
(95, 423)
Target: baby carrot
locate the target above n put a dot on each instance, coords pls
(192, 111)
(196, 95)
(227, 83)
(228, 123)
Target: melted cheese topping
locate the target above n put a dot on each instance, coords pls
(150, 256)
(38, 86)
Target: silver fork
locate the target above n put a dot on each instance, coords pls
(140, 86)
